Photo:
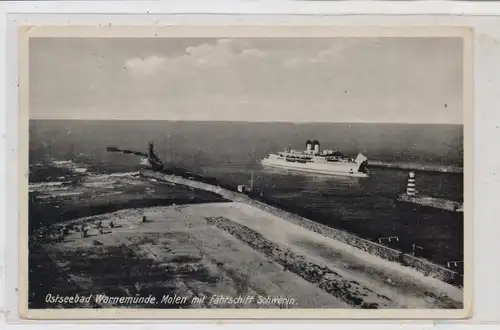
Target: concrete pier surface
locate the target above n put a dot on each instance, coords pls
(422, 265)
(218, 248)
(234, 249)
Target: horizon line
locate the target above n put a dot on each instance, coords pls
(253, 121)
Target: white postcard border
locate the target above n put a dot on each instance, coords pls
(247, 31)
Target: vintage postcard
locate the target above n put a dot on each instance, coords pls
(245, 172)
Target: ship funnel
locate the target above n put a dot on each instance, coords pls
(316, 146)
(308, 145)
(410, 186)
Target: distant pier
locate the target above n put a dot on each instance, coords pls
(416, 167)
(411, 196)
(437, 203)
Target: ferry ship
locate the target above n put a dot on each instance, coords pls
(315, 160)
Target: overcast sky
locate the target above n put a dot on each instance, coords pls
(407, 80)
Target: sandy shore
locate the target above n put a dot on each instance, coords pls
(233, 249)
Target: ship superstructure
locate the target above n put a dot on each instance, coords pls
(315, 160)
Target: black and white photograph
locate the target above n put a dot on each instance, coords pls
(232, 169)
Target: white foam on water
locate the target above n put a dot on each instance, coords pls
(62, 162)
(110, 180)
(96, 184)
(55, 194)
(79, 170)
(115, 175)
(132, 182)
(124, 174)
(110, 193)
(69, 164)
(47, 186)
(49, 190)
(67, 193)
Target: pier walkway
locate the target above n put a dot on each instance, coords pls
(384, 252)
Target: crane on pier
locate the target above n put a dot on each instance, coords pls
(150, 157)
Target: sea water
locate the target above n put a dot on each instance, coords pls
(231, 152)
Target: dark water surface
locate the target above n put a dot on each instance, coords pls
(230, 152)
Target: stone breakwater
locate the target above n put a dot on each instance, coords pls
(349, 291)
(384, 252)
(416, 167)
(437, 203)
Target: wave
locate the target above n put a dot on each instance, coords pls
(62, 162)
(75, 168)
(56, 176)
(98, 184)
(110, 193)
(80, 170)
(47, 186)
(101, 180)
(61, 194)
(122, 174)
(71, 167)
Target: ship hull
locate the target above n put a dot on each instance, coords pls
(312, 168)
